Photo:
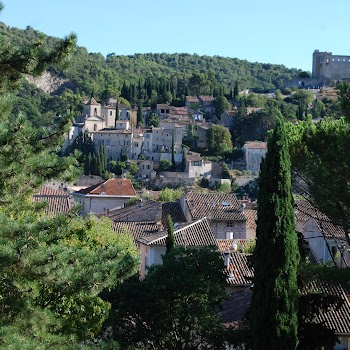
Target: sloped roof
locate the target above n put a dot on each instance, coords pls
(137, 229)
(175, 210)
(306, 211)
(224, 244)
(147, 211)
(192, 99)
(58, 201)
(215, 206)
(251, 216)
(197, 234)
(240, 270)
(92, 101)
(255, 145)
(339, 320)
(206, 98)
(236, 306)
(193, 156)
(111, 187)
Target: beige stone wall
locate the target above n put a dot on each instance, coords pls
(220, 228)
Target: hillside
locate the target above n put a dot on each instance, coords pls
(160, 71)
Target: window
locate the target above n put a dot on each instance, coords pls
(95, 127)
(229, 224)
(148, 166)
(108, 142)
(101, 142)
(136, 144)
(110, 113)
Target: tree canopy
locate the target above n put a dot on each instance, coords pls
(52, 268)
(174, 307)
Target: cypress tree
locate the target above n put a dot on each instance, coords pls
(140, 118)
(275, 296)
(173, 152)
(170, 240)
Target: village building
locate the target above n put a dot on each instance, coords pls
(100, 198)
(254, 152)
(223, 211)
(195, 235)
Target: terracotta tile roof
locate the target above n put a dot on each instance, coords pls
(206, 98)
(179, 110)
(175, 210)
(193, 156)
(255, 145)
(192, 99)
(137, 229)
(111, 187)
(306, 211)
(251, 216)
(215, 206)
(339, 320)
(235, 307)
(148, 211)
(58, 202)
(164, 106)
(196, 234)
(240, 270)
(224, 244)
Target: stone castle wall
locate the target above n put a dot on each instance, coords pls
(326, 66)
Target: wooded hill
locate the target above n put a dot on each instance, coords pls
(152, 75)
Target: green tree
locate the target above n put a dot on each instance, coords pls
(303, 99)
(165, 165)
(218, 140)
(323, 169)
(153, 119)
(170, 240)
(52, 268)
(274, 305)
(170, 195)
(167, 310)
(140, 117)
(221, 105)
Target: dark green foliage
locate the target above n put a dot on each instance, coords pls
(174, 307)
(52, 268)
(323, 168)
(153, 119)
(344, 99)
(274, 304)
(218, 140)
(170, 240)
(140, 118)
(141, 76)
(221, 105)
(165, 165)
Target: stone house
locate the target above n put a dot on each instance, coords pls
(116, 142)
(223, 211)
(254, 152)
(100, 198)
(203, 102)
(195, 235)
(324, 238)
(196, 166)
(227, 119)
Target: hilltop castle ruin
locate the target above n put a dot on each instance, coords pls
(326, 66)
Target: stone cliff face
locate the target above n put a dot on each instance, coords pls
(49, 82)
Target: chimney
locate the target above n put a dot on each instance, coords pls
(242, 207)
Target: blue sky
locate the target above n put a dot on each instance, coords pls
(270, 31)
